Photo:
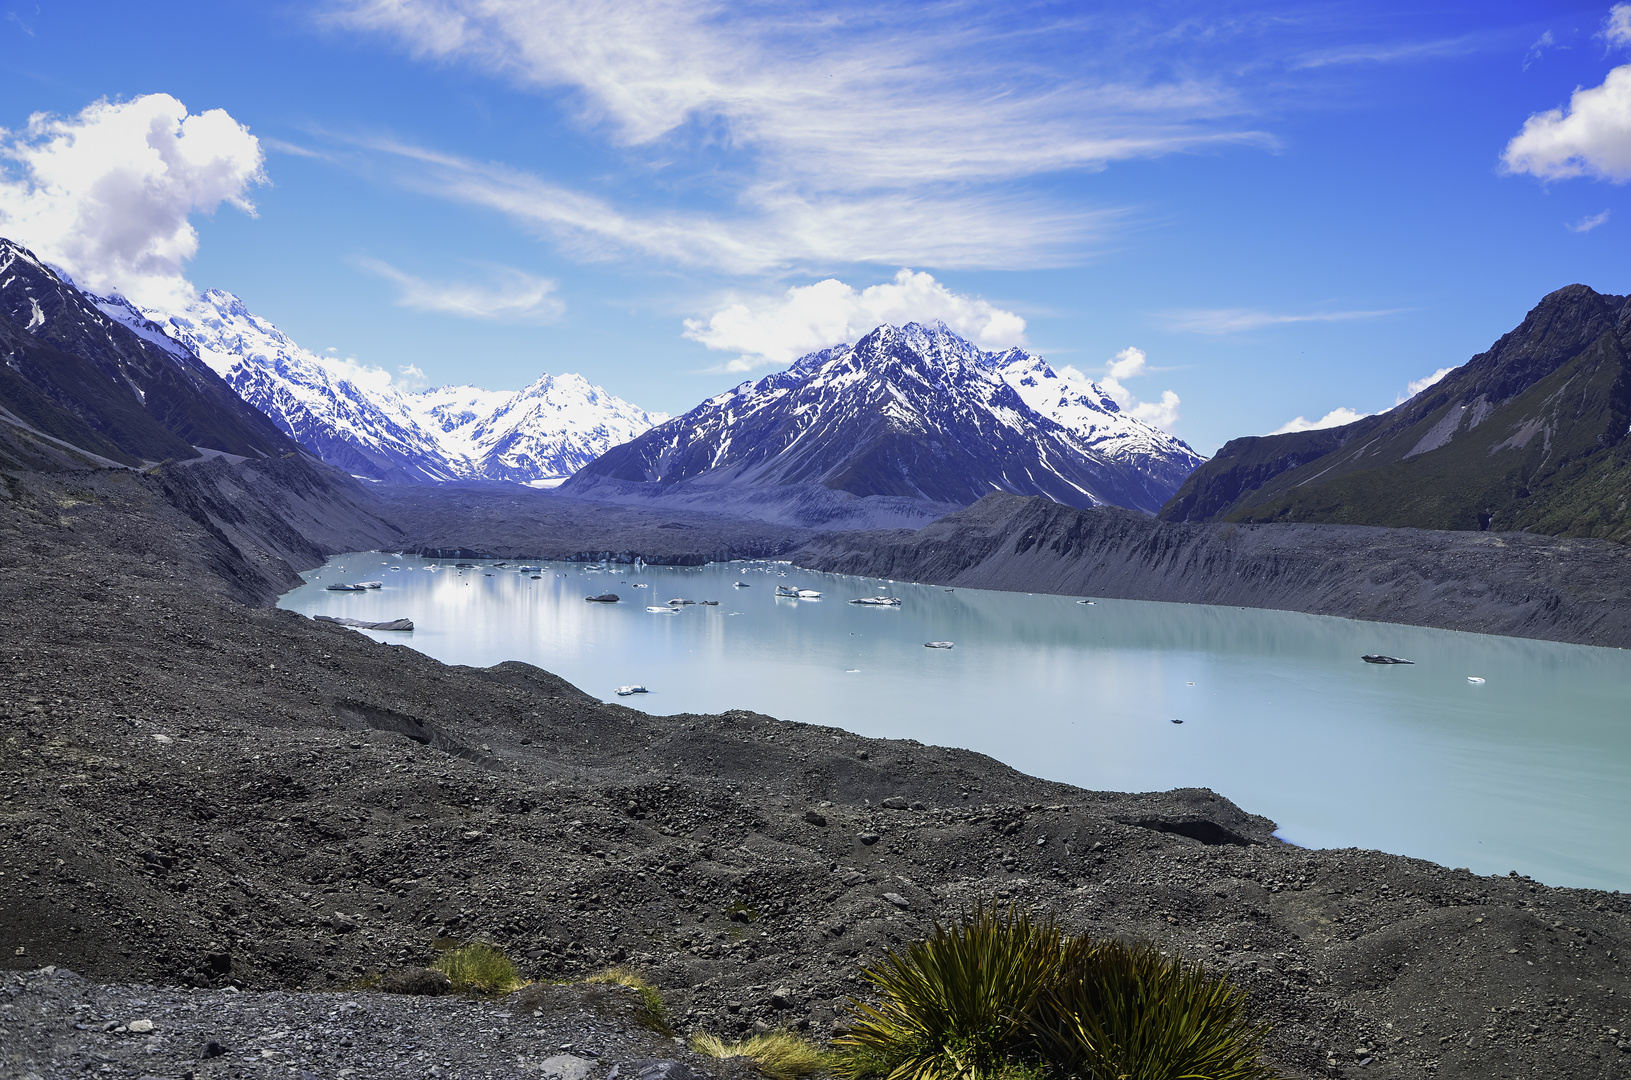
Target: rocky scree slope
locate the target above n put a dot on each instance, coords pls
(1515, 584)
(913, 414)
(196, 792)
(357, 420)
(1531, 436)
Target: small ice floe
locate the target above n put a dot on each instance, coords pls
(633, 688)
(1476, 680)
(679, 602)
(1089, 603)
(603, 598)
(345, 588)
(741, 585)
(1175, 720)
(938, 644)
(662, 609)
(877, 601)
(787, 590)
(852, 671)
(371, 584)
(809, 594)
(640, 585)
(363, 624)
(529, 569)
(1378, 658)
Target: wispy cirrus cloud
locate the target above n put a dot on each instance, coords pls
(771, 230)
(856, 133)
(1394, 52)
(509, 294)
(1240, 320)
(1588, 223)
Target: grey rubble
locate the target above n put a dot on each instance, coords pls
(1516, 584)
(202, 793)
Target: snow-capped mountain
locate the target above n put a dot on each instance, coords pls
(915, 413)
(360, 421)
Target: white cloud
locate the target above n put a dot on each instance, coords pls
(1386, 52)
(1617, 27)
(780, 329)
(1538, 49)
(1587, 223)
(107, 195)
(1335, 418)
(1592, 137)
(863, 134)
(513, 294)
(1416, 386)
(1236, 320)
(1130, 363)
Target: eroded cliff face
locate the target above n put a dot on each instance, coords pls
(1494, 583)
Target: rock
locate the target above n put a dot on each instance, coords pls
(897, 899)
(894, 802)
(424, 982)
(869, 838)
(813, 818)
(211, 1049)
(781, 998)
(342, 923)
(140, 1027)
(653, 1070)
(361, 624)
(567, 1067)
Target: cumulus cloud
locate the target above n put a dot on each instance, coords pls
(1238, 320)
(512, 294)
(1131, 363)
(1416, 386)
(1587, 223)
(1335, 418)
(1591, 137)
(108, 194)
(780, 329)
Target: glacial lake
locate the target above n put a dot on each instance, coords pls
(1529, 770)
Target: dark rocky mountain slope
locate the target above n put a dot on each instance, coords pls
(71, 372)
(1531, 435)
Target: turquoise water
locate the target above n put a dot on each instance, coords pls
(1528, 771)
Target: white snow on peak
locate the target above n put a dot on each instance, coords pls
(357, 418)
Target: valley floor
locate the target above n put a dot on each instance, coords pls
(199, 793)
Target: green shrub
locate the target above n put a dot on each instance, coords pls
(478, 968)
(959, 1004)
(780, 1055)
(1129, 1013)
(653, 1014)
(1006, 997)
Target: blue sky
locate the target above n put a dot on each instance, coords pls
(1287, 209)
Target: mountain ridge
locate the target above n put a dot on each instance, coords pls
(365, 424)
(912, 413)
(1528, 435)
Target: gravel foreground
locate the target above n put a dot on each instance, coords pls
(198, 795)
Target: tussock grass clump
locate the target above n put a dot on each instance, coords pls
(780, 1055)
(1005, 997)
(479, 968)
(653, 1014)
